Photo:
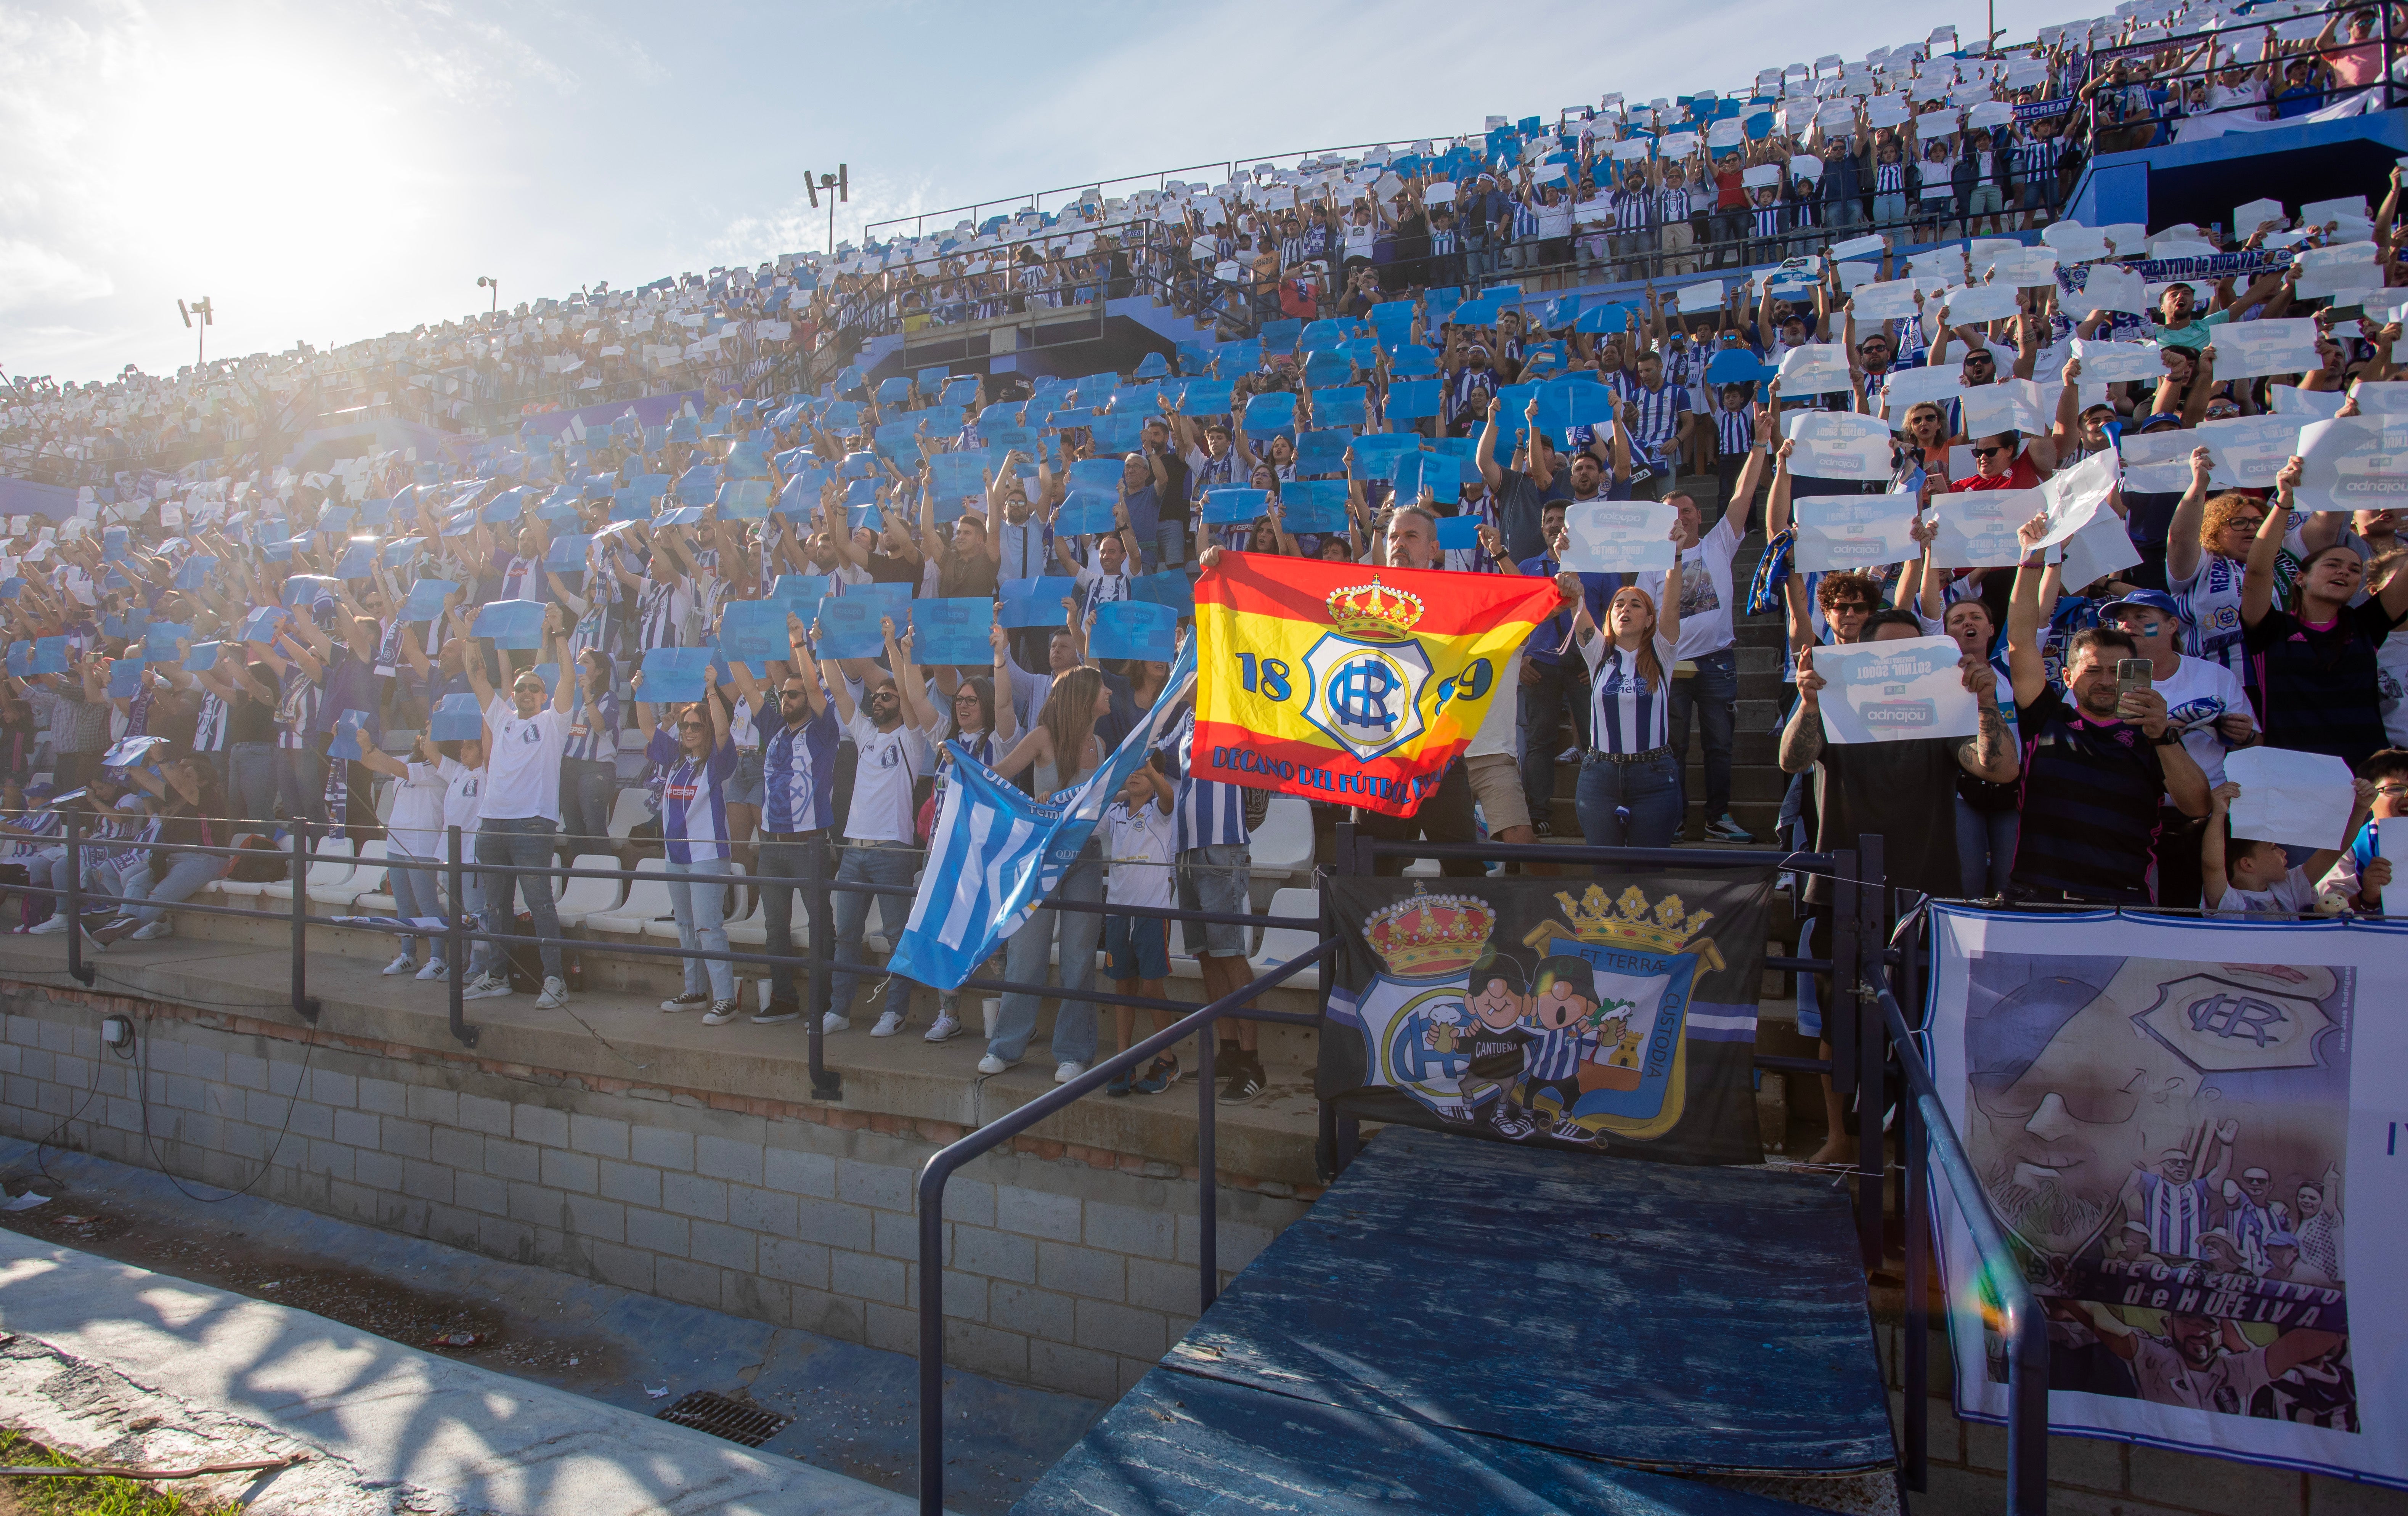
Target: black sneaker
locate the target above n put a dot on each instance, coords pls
(1245, 1082)
(1543, 827)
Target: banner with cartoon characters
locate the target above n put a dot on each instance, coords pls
(1613, 1013)
(2191, 1132)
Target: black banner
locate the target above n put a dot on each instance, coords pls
(1611, 1013)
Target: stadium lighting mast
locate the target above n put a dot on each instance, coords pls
(842, 183)
(208, 317)
(494, 285)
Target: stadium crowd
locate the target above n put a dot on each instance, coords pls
(461, 634)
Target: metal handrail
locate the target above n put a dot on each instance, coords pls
(2021, 1322)
(940, 1165)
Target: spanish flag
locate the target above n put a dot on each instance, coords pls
(1351, 684)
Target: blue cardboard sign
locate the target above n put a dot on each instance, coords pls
(1135, 629)
(1036, 602)
(1226, 506)
(426, 598)
(457, 717)
(953, 631)
(514, 624)
(673, 674)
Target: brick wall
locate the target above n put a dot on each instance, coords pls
(1064, 1272)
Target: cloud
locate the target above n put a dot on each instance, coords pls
(31, 276)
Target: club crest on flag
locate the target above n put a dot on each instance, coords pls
(1366, 678)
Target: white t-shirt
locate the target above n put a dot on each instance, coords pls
(417, 825)
(522, 770)
(2198, 693)
(464, 799)
(1500, 729)
(1705, 590)
(1142, 844)
(2391, 687)
(891, 763)
(1099, 587)
(2292, 894)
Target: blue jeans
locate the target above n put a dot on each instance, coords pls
(587, 791)
(415, 897)
(301, 784)
(251, 774)
(869, 863)
(1024, 962)
(1985, 849)
(1634, 804)
(523, 842)
(1713, 692)
(783, 868)
(1889, 209)
(698, 898)
(190, 871)
(1545, 705)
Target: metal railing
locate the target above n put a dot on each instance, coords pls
(1866, 970)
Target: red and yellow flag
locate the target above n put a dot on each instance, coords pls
(1350, 684)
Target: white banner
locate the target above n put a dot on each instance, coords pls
(2158, 463)
(1838, 445)
(2112, 362)
(2300, 800)
(2246, 350)
(1814, 368)
(1853, 531)
(1896, 691)
(1977, 527)
(2191, 1140)
(1620, 537)
(2249, 451)
(2356, 463)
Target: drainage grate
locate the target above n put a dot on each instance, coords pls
(737, 1420)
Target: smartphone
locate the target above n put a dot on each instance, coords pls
(2131, 673)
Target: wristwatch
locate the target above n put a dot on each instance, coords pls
(2165, 738)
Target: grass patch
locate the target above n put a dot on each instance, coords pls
(32, 1496)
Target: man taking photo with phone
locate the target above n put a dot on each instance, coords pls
(2204, 703)
(2098, 759)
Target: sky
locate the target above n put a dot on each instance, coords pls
(344, 168)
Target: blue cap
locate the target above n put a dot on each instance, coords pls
(2151, 599)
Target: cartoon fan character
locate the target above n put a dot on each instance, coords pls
(1563, 1006)
(1499, 1002)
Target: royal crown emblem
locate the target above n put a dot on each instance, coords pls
(1430, 936)
(1375, 610)
(1630, 922)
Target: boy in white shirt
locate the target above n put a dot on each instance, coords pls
(1142, 840)
(2243, 878)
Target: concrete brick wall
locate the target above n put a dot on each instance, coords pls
(2092, 1477)
(1059, 1274)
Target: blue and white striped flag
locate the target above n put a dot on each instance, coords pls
(995, 855)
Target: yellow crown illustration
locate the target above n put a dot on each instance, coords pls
(1430, 936)
(1375, 610)
(1630, 922)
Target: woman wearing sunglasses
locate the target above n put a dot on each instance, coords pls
(695, 833)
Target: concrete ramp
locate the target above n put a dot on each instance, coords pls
(99, 1347)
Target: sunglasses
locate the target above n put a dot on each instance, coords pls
(1988, 452)
(689, 726)
(791, 695)
(1858, 607)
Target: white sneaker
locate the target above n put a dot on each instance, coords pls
(1063, 1072)
(836, 1021)
(485, 987)
(889, 1023)
(55, 924)
(720, 1013)
(948, 1026)
(556, 995)
(402, 964)
(435, 969)
(152, 933)
(992, 1064)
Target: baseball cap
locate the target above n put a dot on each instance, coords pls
(2156, 600)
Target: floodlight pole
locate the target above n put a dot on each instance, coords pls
(841, 182)
(496, 285)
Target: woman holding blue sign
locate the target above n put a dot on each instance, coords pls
(695, 833)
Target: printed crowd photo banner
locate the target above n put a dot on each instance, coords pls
(1615, 1014)
(2192, 1140)
(1350, 684)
